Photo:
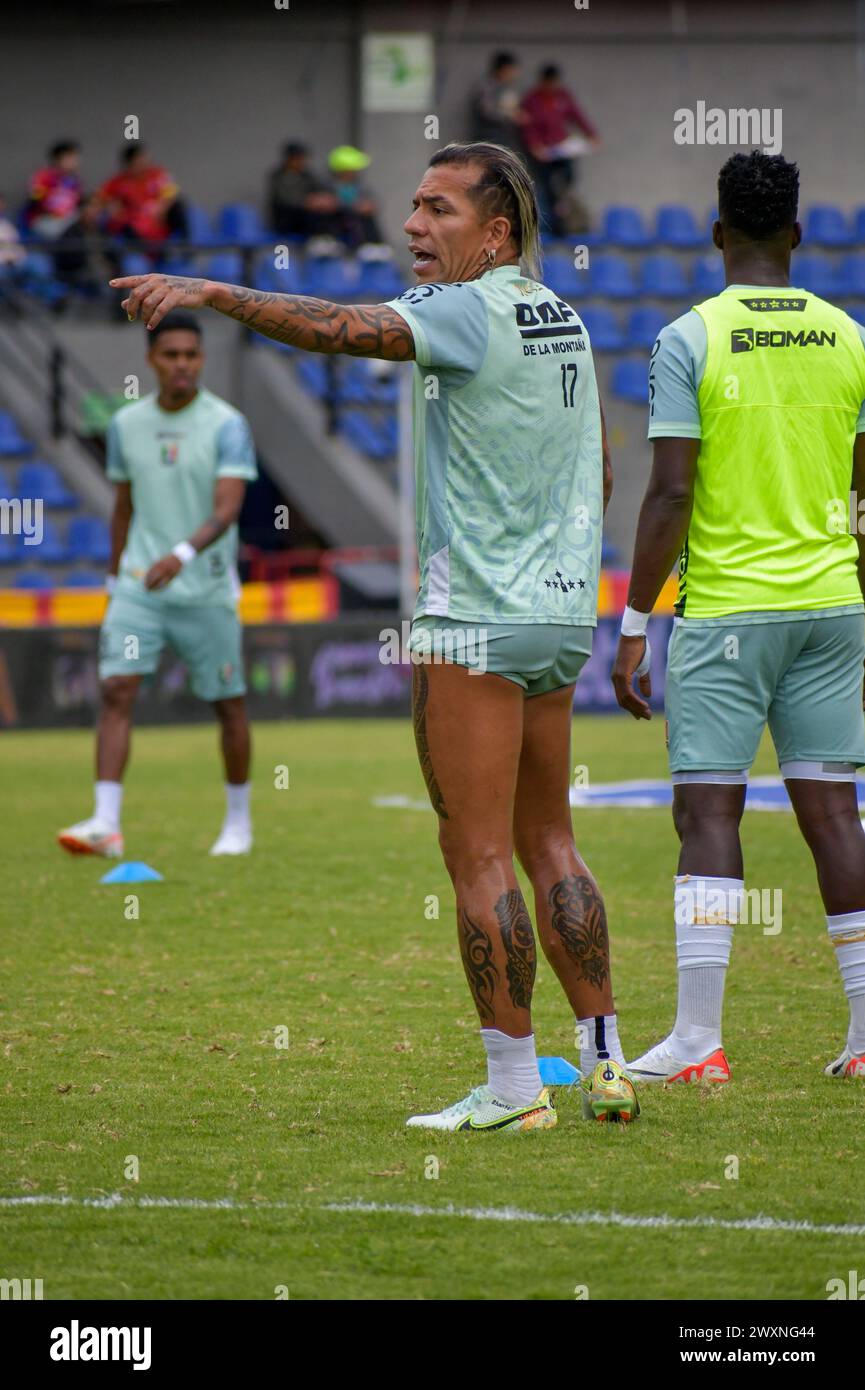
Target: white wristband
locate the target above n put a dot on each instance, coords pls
(634, 624)
(184, 552)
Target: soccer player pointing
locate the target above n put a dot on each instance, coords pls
(512, 481)
(757, 418)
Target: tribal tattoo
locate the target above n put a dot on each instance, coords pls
(359, 330)
(420, 698)
(519, 943)
(476, 949)
(579, 918)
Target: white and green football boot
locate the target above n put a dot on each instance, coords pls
(609, 1095)
(483, 1111)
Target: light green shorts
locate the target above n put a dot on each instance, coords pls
(727, 678)
(538, 657)
(208, 640)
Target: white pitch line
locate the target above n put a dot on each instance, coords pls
(116, 1200)
(599, 1218)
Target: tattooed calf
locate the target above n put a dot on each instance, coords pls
(519, 943)
(579, 919)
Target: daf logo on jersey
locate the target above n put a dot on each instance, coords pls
(546, 319)
(747, 339)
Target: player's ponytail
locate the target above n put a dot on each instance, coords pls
(504, 189)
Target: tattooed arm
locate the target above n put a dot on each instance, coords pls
(317, 325)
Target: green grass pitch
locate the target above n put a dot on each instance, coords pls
(154, 1039)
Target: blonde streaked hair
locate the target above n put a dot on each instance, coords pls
(504, 189)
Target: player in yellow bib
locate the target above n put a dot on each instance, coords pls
(757, 418)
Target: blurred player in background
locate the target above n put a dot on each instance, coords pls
(180, 459)
(513, 476)
(757, 418)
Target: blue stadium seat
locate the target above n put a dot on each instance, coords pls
(330, 277)
(226, 266)
(816, 273)
(624, 226)
(178, 265)
(84, 579)
(135, 263)
(12, 441)
(859, 226)
(708, 274)
(603, 326)
(42, 480)
(88, 539)
(562, 276)
(851, 274)
(677, 226)
(242, 222)
(644, 326)
(631, 380)
(266, 276)
(50, 550)
(612, 277)
(361, 432)
(664, 276)
(312, 370)
(379, 280)
(33, 579)
(198, 225)
(359, 383)
(827, 224)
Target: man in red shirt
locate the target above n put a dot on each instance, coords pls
(142, 198)
(551, 117)
(55, 191)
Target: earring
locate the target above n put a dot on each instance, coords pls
(491, 257)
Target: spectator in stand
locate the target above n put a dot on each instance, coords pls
(551, 118)
(11, 250)
(496, 114)
(55, 191)
(301, 204)
(79, 258)
(141, 200)
(355, 221)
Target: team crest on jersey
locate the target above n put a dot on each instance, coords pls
(168, 453)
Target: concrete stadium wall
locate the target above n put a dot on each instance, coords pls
(218, 86)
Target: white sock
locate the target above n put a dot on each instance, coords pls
(237, 806)
(107, 799)
(512, 1067)
(847, 934)
(706, 909)
(598, 1038)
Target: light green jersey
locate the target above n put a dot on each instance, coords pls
(172, 458)
(508, 457)
(779, 402)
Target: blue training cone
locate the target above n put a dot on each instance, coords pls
(555, 1071)
(134, 872)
